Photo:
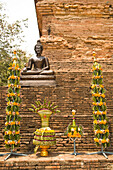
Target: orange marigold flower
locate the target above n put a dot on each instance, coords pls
(17, 66)
(13, 77)
(10, 132)
(8, 103)
(8, 95)
(103, 95)
(9, 68)
(19, 141)
(6, 123)
(103, 141)
(13, 142)
(96, 139)
(17, 132)
(98, 113)
(100, 104)
(102, 86)
(12, 94)
(95, 121)
(9, 85)
(98, 95)
(17, 113)
(104, 122)
(14, 52)
(8, 113)
(6, 142)
(93, 86)
(107, 130)
(10, 142)
(15, 103)
(13, 65)
(12, 123)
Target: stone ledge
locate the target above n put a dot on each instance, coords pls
(36, 83)
(58, 161)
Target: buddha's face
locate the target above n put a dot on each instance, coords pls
(38, 49)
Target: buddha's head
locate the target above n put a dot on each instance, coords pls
(38, 48)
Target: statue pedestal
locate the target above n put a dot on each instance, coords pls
(37, 80)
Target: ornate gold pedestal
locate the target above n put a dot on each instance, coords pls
(44, 151)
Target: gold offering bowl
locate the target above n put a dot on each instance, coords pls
(44, 151)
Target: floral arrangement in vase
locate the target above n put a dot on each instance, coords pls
(44, 137)
(100, 123)
(73, 130)
(12, 124)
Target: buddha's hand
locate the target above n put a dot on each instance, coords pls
(24, 69)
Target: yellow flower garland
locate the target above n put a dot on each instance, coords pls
(97, 85)
(12, 123)
(98, 95)
(76, 134)
(12, 142)
(13, 103)
(99, 112)
(97, 77)
(101, 131)
(13, 77)
(44, 130)
(99, 103)
(100, 122)
(101, 140)
(96, 68)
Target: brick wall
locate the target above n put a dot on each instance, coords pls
(77, 28)
(72, 92)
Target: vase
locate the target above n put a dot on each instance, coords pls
(45, 115)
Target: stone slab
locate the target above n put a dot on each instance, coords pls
(37, 77)
(36, 83)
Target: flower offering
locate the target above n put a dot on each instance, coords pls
(100, 122)
(73, 130)
(12, 124)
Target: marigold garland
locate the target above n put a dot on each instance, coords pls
(12, 124)
(101, 141)
(100, 122)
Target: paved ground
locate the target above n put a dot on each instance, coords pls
(57, 161)
(56, 157)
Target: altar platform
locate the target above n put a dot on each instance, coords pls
(57, 161)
